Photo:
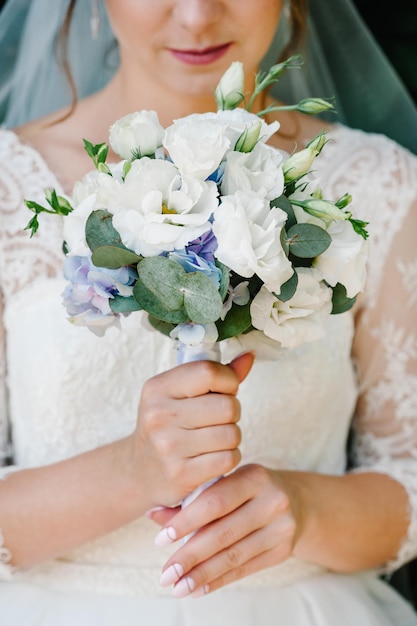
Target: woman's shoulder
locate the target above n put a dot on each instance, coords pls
(370, 162)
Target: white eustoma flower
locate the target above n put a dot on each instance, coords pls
(238, 120)
(345, 259)
(156, 210)
(136, 134)
(229, 91)
(259, 171)
(74, 227)
(300, 319)
(196, 145)
(85, 187)
(248, 236)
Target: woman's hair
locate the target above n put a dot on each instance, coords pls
(297, 19)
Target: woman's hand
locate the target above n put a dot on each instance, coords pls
(248, 521)
(187, 430)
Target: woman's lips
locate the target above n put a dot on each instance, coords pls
(200, 57)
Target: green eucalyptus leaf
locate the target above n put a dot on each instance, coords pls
(113, 257)
(283, 203)
(99, 231)
(340, 300)
(122, 304)
(288, 289)
(307, 240)
(237, 321)
(150, 302)
(163, 327)
(202, 300)
(163, 277)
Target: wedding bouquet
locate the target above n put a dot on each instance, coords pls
(208, 229)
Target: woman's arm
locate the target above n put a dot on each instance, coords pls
(47, 511)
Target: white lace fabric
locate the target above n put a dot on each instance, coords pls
(281, 426)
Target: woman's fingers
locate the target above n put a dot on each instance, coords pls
(245, 522)
(187, 431)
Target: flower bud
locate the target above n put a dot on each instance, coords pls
(314, 106)
(299, 164)
(136, 135)
(249, 138)
(318, 142)
(229, 91)
(324, 210)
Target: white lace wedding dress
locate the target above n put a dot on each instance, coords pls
(65, 391)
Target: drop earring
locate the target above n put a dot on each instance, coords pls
(95, 20)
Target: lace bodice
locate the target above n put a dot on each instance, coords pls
(65, 391)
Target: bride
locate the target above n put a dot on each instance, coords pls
(102, 437)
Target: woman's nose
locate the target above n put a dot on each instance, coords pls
(197, 15)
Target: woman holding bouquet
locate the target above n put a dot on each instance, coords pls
(102, 437)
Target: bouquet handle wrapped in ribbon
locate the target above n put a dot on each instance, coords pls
(208, 229)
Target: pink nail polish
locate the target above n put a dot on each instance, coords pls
(171, 575)
(165, 537)
(184, 587)
(155, 509)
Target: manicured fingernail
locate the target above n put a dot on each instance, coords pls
(165, 537)
(184, 587)
(171, 575)
(155, 509)
(201, 591)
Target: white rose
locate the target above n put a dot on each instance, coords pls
(248, 235)
(259, 171)
(138, 134)
(156, 210)
(196, 145)
(345, 259)
(300, 319)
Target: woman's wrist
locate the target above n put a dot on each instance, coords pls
(345, 523)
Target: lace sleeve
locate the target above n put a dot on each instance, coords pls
(385, 349)
(4, 430)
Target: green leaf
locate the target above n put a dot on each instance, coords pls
(225, 279)
(283, 203)
(307, 240)
(360, 227)
(97, 153)
(237, 321)
(288, 289)
(122, 304)
(163, 327)
(163, 277)
(340, 301)
(99, 231)
(113, 257)
(202, 300)
(151, 303)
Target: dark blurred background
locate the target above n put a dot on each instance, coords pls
(396, 31)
